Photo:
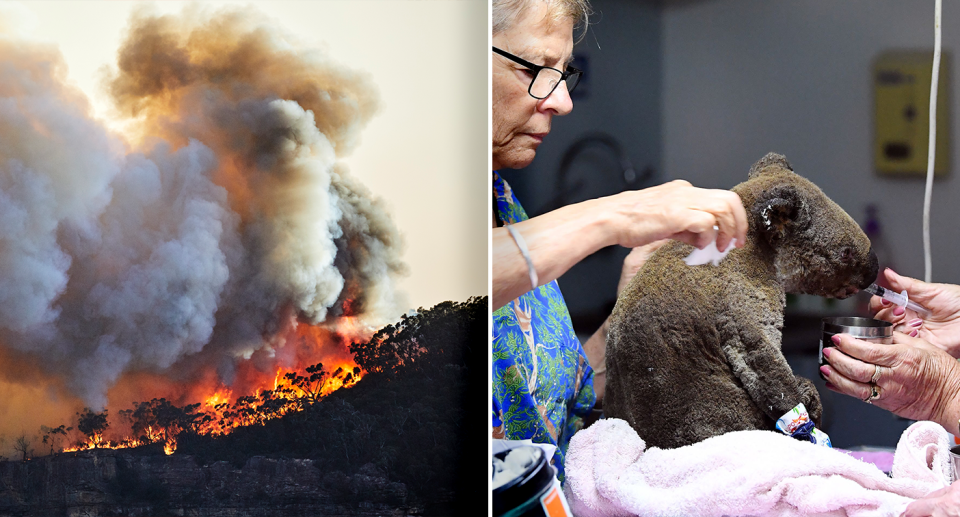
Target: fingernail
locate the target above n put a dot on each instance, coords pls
(826, 352)
(914, 333)
(825, 370)
(916, 322)
(898, 311)
(884, 302)
(836, 339)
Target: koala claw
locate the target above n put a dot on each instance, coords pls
(811, 400)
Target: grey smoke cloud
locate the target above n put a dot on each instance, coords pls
(181, 249)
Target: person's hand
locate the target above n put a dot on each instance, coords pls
(941, 328)
(917, 380)
(635, 260)
(941, 503)
(680, 211)
(563, 237)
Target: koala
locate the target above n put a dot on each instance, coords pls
(694, 351)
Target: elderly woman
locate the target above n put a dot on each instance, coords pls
(918, 377)
(543, 381)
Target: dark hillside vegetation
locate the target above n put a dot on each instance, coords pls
(410, 435)
(418, 415)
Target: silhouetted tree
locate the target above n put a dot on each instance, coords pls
(160, 421)
(54, 437)
(426, 339)
(92, 425)
(22, 445)
(309, 386)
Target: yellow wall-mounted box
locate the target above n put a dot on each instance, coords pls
(901, 92)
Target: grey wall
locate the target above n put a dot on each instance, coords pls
(620, 96)
(744, 77)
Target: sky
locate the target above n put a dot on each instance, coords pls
(425, 153)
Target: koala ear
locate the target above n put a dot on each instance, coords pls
(778, 215)
(770, 160)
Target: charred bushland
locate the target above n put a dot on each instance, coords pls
(417, 416)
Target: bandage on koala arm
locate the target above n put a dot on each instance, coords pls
(522, 244)
(797, 423)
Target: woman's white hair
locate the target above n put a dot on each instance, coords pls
(505, 12)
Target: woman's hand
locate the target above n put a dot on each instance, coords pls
(559, 239)
(680, 211)
(941, 503)
(941, 328)
(917, 380)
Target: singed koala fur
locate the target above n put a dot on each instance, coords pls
(694, 351)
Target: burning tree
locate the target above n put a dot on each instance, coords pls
(317, 383)
(92, 425)
(159, 421)
(257, 409)
(307, 388)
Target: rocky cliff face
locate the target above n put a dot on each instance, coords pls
(110, 482)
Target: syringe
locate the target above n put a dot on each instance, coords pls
(900, 299)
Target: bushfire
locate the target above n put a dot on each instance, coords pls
(219, 409)
(200, 265)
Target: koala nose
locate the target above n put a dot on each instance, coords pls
(871, 271)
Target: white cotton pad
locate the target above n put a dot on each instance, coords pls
(709, 254)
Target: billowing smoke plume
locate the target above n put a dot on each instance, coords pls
(194, 240)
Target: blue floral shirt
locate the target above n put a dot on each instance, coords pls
(542, 382)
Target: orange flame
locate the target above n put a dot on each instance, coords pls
(220, 396)
(258, 379)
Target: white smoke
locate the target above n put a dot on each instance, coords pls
(182, 248)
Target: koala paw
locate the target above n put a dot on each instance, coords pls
(810, 399)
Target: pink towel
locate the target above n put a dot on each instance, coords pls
(883, 460)
(923, 454)
(609, 472)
